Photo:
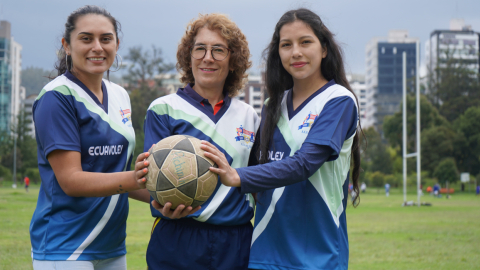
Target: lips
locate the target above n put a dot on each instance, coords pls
(208, 69)
(298, 64)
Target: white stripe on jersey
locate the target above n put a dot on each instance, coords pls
(96, 231)
(268, 215)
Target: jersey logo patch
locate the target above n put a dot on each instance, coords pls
(126, 115)
(308, 121)
(245, 137)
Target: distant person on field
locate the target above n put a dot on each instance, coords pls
(478, 190)
(27, 183)
(363, 187)
(387, 189)
(436, 189)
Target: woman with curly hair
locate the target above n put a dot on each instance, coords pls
(213, 57)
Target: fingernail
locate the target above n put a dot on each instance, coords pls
(144, 180)
(145, 163)
(145, 170)
(147, 154)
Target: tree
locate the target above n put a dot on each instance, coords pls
(468, 142)
(143, 85)
(453, 86)
(393, 125)
(437, 144)
(446, 170)
(376, 157)
(144, 65)
(26, 156)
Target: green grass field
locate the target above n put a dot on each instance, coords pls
(382, 234)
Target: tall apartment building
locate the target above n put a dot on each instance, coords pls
(460, 42)
(384, 75)
(11, 94)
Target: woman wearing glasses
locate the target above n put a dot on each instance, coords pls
(213, 57)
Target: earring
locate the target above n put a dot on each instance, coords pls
(118, 65)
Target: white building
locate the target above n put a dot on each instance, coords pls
(18, 92)
(28, 106)
(253, 92)
(357, 83)
(460, 42)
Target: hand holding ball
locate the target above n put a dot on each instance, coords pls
(179, 172)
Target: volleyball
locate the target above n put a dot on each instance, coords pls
(179, 172)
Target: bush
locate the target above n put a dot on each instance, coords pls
(378, 179)
(5, 174)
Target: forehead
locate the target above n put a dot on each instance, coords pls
(94, 23)
(210, 37)
(296, 29)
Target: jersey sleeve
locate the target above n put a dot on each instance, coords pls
(155, 128)
(303, 164)
(336, 123)
(56, 124)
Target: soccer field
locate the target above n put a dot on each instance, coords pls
(382, 234)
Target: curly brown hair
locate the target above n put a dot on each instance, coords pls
(236, 40)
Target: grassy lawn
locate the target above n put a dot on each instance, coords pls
(382, 234)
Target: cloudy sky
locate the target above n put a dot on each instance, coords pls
(38, 24)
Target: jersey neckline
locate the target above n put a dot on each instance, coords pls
(74, 79)
(192, 97)
(291, 111)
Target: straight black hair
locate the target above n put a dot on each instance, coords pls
(277, 80)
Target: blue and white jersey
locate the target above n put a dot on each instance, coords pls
(303, 225)
(68, 116)
(231, 130)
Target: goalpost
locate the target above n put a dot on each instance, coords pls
(417, 154)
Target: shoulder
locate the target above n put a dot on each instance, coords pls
(60, 84)
(337, 91)
(163, 100)
(116, 89)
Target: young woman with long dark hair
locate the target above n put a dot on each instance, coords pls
(307, 137)
(85, 143)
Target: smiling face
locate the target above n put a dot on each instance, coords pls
(93, 46)
(208, 72)
(301, 51)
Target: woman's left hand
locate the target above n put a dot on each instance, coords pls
(228, 175)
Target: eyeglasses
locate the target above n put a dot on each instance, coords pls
(218, 52)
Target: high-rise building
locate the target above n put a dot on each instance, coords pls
(459, 43)
(11, 94)
(384, 75)
(253, 92)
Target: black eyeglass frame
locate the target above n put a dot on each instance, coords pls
(211, 51)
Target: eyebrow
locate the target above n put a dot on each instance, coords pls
(218, 44)
(302, 37)
(90, 34)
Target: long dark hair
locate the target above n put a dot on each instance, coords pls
(61, 64)
(277, 80)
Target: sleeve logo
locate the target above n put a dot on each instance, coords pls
(245, 137)
(126, 115)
